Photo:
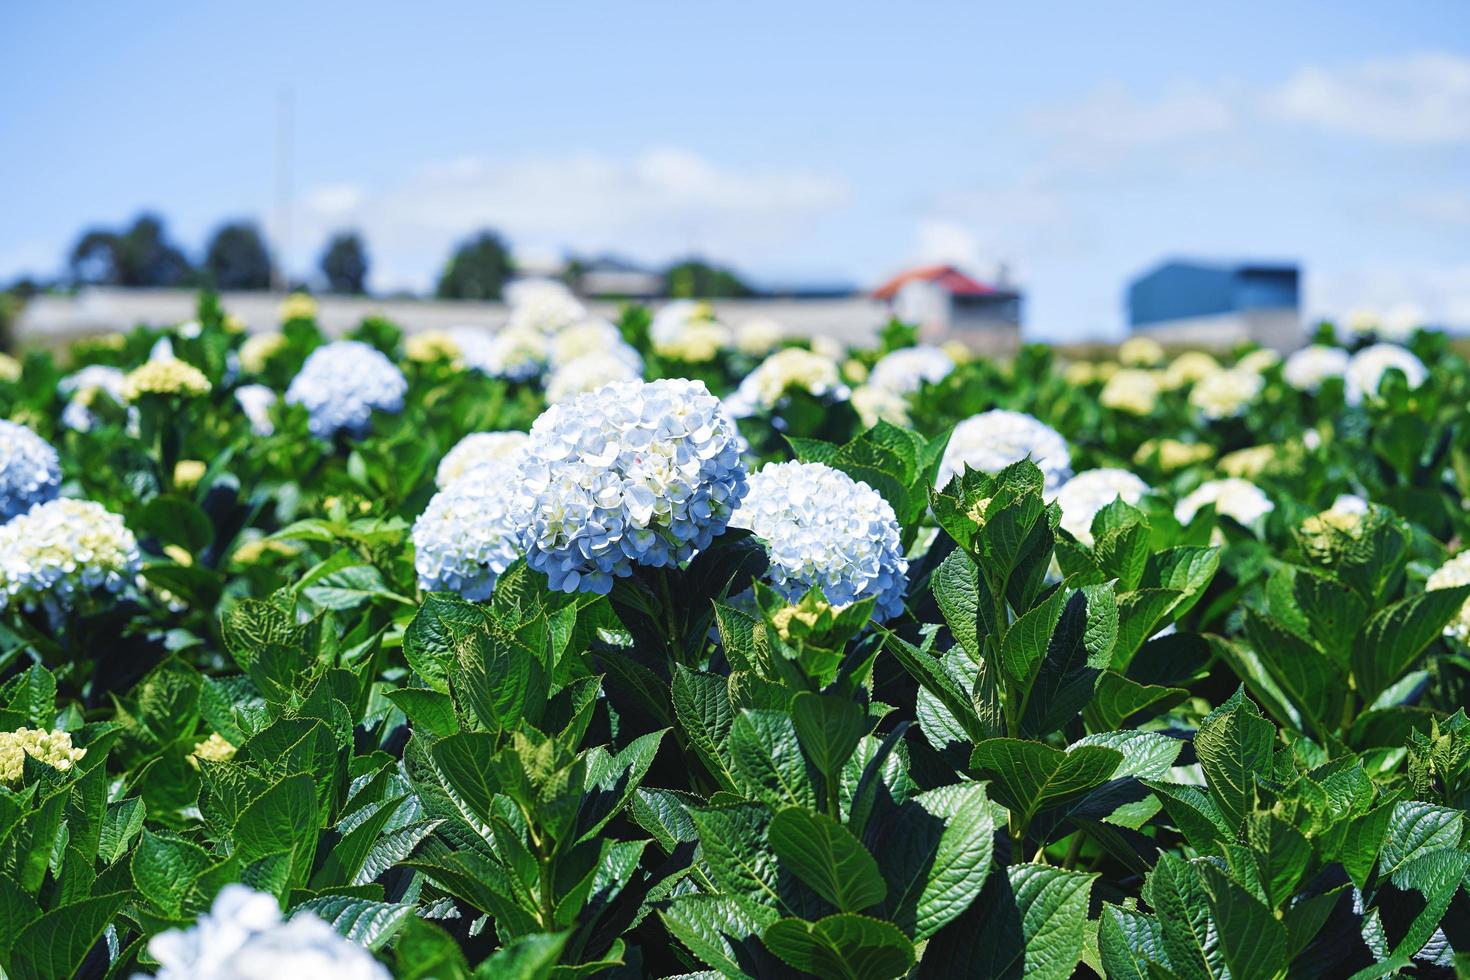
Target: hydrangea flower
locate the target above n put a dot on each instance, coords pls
(1188, 368)
(30, 470)
(1130, 390)
(904, 370)
(1081, 497)
(789, 369)
(63, 547)
(258, 349)
(636, 472)
(993, 440)
(10, 368)
(1454, 572)
(592, 372)
(465, 538)
(52, 748)
(542, 306)
(515, 353)
(298, 306)
(1141, 352)
(757, 337)
(242, 937)
(1225, 394)
(479, 449)
(1306, 369)
(594, 336)
(1366, 369)
(823, 528)
(1240, 500)
(879, 404)
(699, 341)
(1260, 360)
(432, 346)
(255, 402)
(341, 384)
(81, 387)
(165, 376)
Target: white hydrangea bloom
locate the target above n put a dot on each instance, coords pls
(757, 337)
(255, 402)
(465, 538)
(1401, 320)
(1307, 368)
(594, 336)
(1226, 394)
(993, 440)
(1366, 369)
(63, 547)
(789, 369)
(1188, 368)
(542, 306)
(242, 937)
(590, 373)
(498, 449)
(1454, 572)
(1081, 497)
(1260, 360)
(80, 387)
(1349, 503)
(30, 470)
(342, 383)
(1131, 390)
(820, 527)
(515, 353)
(1141, 352)
(904, 370)
(1240, 500)
(636, 472)
(875, 404)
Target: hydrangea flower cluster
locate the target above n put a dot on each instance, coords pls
(993, 440)
(515, 353)
(542, 306)
(341, 384)
(258, 349)
(636, 472)
(242, 937)
(432, 346)
(1131, 390)
(479, 449)
(823, 528)
(1141, 352)
(255, 402)
(875, 404)
(789, 369)
(1260, 360)
(298, 306)
(1225, 394)
(1081, 497)
(81, 387)
(62, 547)
(30, 470)
(1188, 368)
(1240, 500)
(10, 368)
(757, 337)
(465, 538)
(594, 336)
(1366, 370)
(165, 376)
(903, 371)
(1454, 572)
(52, 748)
(1306, 369)
(592, 372)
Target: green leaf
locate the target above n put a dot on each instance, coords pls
(721, 930)
(529, 957)
(1333, 612)
(123, 822)
(366, 923)
(1252, 940)
(1415, 829)
(844, 947)
(829, 729)
(55, 944)
(282, 820)
(1191, 938)
(612, 779)
(440, 625)
(1116, 699)
(1027, 638)
(465, 762)
(427, 709)
(1146, 755)
(1128, 942)
(1394, 637)
(702, 706)
(827, 858)
(1234, 746)
(767, 761)
(1031, 775)
(733, 839)
(1311, 680)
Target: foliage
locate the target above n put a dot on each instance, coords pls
(344, 263)
(478, 269)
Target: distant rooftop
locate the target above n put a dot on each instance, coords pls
(951, 279)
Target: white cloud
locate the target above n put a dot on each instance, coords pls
(658, 204)
(1111, 119)
(1441, 207)
(1421, 99)
(1442, 292)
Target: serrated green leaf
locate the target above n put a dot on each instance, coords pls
(841, 947)
(827, 858)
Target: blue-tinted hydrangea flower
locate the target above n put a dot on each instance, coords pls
(498, 449)
(465, 538)
(592, 371)
(1306, 369)
(635, 473)
(341, 384)
(255, 402)
(823, 528)
(993, 440)
(543, 306)
(903, 371)
(82, 387)
(1081, 497)
(242, 937)
(515, 353)
(789, 369)
(64, 547)
(30, 470)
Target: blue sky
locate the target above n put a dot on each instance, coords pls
(1075, 143)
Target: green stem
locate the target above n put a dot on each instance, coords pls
(671, 628)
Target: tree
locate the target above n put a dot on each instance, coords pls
(478, 269)
(237, 258)
(697, 279)
(344, 263)
(140, 256)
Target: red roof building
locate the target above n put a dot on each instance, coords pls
(946, 304)
(946, 277)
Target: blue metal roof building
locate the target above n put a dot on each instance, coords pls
(1181, 290)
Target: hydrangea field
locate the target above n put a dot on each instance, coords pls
(670, 647)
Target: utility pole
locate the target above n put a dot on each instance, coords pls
(280, 278)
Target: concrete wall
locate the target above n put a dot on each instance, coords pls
(1280, 330)
(52, 319)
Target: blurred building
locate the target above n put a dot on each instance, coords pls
(615, 278)
(1218, 304)
(947, 304)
